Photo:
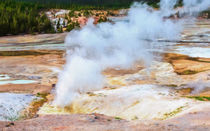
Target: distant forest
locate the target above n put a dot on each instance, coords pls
(26, 16)
(22, 17)
(89, 4)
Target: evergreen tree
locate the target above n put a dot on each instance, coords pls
(58, 24)
(22, 17)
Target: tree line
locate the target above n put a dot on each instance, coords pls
(27, 16)
(89, 4)
(22, 17)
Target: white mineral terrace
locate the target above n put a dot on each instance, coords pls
(132, 101)
(194, 51)
(12, 104)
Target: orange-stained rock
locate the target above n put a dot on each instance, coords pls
(185, 65)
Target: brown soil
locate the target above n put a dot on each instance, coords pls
(185, 65)
(40, 38)
(26, 88)
(43, 57)
(31, 111)
(96, 122)
(121, 72)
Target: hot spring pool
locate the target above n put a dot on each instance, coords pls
(5, 79)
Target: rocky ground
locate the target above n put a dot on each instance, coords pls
(97, 122)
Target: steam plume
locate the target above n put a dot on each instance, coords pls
(193, 7)
(97, 47)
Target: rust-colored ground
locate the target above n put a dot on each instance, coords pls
(185, 65)
(26, 88)
(96, 122)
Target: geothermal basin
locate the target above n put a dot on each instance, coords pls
(167, 89)
(175, 85)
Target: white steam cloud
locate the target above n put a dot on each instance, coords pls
(193, 7)
(198, 86)
(97, 47)
(167, 6)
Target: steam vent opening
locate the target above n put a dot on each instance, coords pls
(140, 67)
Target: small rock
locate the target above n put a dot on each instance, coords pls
(96, 117)
(53, 85)
(34, 77)
(10, 124)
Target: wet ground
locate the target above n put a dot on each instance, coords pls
(177, 86)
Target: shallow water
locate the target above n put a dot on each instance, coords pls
(6, 79)
(194, 51)
(17, 82)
